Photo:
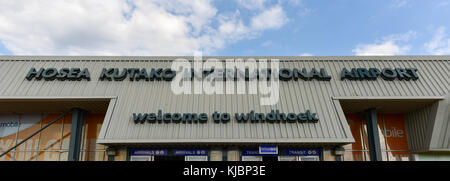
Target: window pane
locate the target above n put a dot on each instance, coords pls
(358, 132)
(384, 156)
(395, 132)
(396, 142)
(82, 156)
(48, 155)
(392, 135)
(50, 140)
(67, 126)
(64, 155)
(381, 135)
(232, 155)
(29, 124)
(216, 155)
(92, 155)
(356, 156)
(92, 125)
(100, 156)
(398, 155)
(9, 124)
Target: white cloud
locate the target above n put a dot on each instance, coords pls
(443, 4)
(252, 4)
(440, 44)
(385, 48)
(306, 54)
(398, 3)
(389, 45)
(401, 37)
(272, 18)
(295, 2)
(124, 27)
(305, 11)
(267, 43)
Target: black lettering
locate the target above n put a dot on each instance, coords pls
(388, 74)
(155, 74)
(151, 118)
(139, 118)
(355, 74)
(259, 117)
(142, 75)
(73, 74)
(311, 116)
(291, 118)
(63, 73)
(159, 117)
(345, 74)
(374, 73)
(132, 73)
(413, 73)
(301, 74)
(203, 118)
(242, 118)
(166, 117)
(176, 118)
(281, 117)
(188, 117)
(402, 74)
(285, 74)
(314, 74)
(33, 73)
(270, 117)
(84, 75)
(324, 75)
(168, 74)
(50, 74)
(302, 117)
(106, 74)
(216, 117)
(120, 77)
(225, 117)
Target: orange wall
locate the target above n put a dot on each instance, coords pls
(49, 143)
(392, 132)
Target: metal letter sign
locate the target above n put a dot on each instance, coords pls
(268, 149)
(149, 152)
(190, 152)
(302, 152)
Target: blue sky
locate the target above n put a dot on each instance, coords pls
(227, 27)
(336, 27)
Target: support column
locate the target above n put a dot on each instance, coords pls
(111, 152)
(372, 134)
(75, 134)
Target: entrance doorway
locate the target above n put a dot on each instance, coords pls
(392, 138)
(169, 158)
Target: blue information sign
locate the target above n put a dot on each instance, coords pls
(190, 152)
(302, 152)
(252, 152)
(268, 149)
(149, 152)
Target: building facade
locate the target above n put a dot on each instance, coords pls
(349, 108)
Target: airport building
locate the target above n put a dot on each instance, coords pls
(313, 108)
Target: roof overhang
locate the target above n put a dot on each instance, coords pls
(30, 104)
(385, 104)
